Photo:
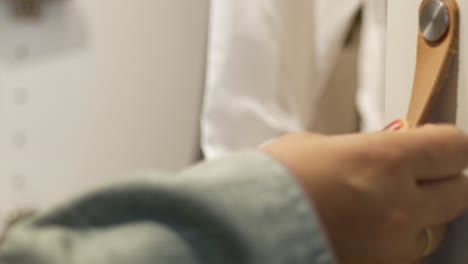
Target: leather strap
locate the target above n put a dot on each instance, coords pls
(432, 65)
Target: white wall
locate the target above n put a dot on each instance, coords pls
(93, 89)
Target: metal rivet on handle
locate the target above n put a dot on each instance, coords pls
(434, 20)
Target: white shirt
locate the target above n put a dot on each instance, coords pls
(269, 62)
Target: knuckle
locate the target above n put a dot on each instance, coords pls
(453, 134)
(457, 140)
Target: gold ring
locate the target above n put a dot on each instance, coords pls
(429, 242)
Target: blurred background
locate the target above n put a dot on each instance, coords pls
(93, 90)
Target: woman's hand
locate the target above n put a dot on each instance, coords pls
(377, 193)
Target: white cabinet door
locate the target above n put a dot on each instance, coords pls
(452, 106)
(93, 89)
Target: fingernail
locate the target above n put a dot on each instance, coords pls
(395, 125)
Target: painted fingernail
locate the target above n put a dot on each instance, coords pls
(395, 125)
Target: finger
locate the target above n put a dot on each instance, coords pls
(443, 201)
(430, 152)
(396, 125)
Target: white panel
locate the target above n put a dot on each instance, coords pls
(92, 90)
(401, 56)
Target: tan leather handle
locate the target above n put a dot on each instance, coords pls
(432, 65)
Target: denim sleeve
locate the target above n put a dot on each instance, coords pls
(245, 208)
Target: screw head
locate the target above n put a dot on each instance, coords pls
(434, 20)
